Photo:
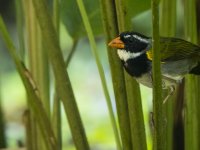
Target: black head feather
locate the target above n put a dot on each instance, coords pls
(134, 42)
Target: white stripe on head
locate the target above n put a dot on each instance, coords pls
(140, 38)
(126, 55)
(127, 36)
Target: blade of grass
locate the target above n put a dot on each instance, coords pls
(100, 69)
(31, 89)
(159, 138)
(63, 84)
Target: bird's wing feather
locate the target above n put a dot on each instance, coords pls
(173, 49)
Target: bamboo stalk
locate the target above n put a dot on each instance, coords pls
(192, 87)
(159, 139)
(61, 77)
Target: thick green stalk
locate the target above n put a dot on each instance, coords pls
(100, 69)
(32, 91)
(63, 84)
(38, 60)
(111, 31)
(132, 87)
(192, 88)
(168, 29)
(168, 18)
(38, 63)
(159, 138)
(136, 114)
(30, 23)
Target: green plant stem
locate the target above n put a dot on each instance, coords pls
(56, 115)
(168, 29)
(2, 122)
(32, 92)
(168, 18)
(71, 53)
(56, 15)
(28, 9)
(100, 69)
(38, 64)
(63, 84)
(192, 83)
(19, 16)
(111, 30)
(28, 128)
(56, 120)
(159, 138)
(135, 111)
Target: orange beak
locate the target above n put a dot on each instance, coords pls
(116, 43)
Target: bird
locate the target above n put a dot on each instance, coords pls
(178, 58)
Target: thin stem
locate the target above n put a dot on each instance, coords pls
(32, 91)
(56, 115)
(71, 53)
(100, 69)
(19, 16)
(158, 113)
(3, 141)
(63, 84)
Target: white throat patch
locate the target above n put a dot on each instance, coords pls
(126, 55)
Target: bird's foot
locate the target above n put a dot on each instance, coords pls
(171, 92)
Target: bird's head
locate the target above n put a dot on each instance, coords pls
(131, 45)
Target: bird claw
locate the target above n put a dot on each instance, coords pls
(171, 92)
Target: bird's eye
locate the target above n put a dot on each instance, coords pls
(130, 40)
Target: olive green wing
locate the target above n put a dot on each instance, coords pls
(173, 49)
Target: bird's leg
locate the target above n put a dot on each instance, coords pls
(151, 121)
(170, 93)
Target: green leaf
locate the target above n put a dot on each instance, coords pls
(71, 17)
